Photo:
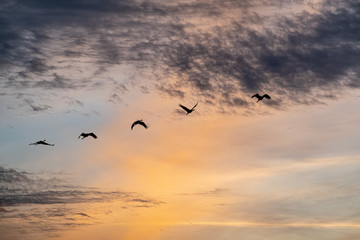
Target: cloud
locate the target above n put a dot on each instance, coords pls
(296, 57)
(179, 112)
(82, 214)
(36, 108)
(171, 91)
(3, 209)
(37, 65)
(73, 44)
(57, 82)
(204, 49)
(139, 200)
(74, 102)
(32, 198)
(216, 191)
(321, 193)
(18, 187)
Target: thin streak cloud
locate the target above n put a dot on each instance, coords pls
(30, 198)
(345, 225)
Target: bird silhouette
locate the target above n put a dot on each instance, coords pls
(261, 97)
(141, 122)
(188, 110)
(43, 142)
(84, 135)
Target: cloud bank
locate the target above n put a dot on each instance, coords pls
(220, 51)
(49, 205)
(302, 58)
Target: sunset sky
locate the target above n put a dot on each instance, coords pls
(284, 168)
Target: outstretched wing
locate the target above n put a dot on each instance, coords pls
(45, 143)
(185, 108)
(143, 124)
(36, 143)
(93, 135)
(194, 106)
(81, 135)
(139, 122)
(256, 95)
(267, 96)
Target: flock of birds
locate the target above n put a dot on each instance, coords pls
(142, 123)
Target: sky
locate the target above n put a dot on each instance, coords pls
(282, 168)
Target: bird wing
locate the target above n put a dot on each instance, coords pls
(185, 108)
(134, 123)
(267, 96)
(81, 135)
(194, 106)
(256, 95)
(142, 123)
(93, 135)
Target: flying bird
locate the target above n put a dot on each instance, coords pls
(43, 142)
(261, 97)
(188, 110)
(84, 135)
(141, 122)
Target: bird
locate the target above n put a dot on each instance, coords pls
(84, 135)
(261, 97)
(43, 142)
(141, 122)
(188, 110)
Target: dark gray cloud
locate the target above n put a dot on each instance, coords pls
(73, 44)
(116, 30)
(82, 214)
(46, 205)
(139, 200)
(74, 102)
(20, 187)
(295, 58)
(172, 91)
(58, 82)
(35, 33)
(37, 65)
(36, 108)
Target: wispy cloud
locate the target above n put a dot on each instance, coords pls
(294, 55)
(216, 191)
(30, 198)
(20, 187)
(36, 108)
